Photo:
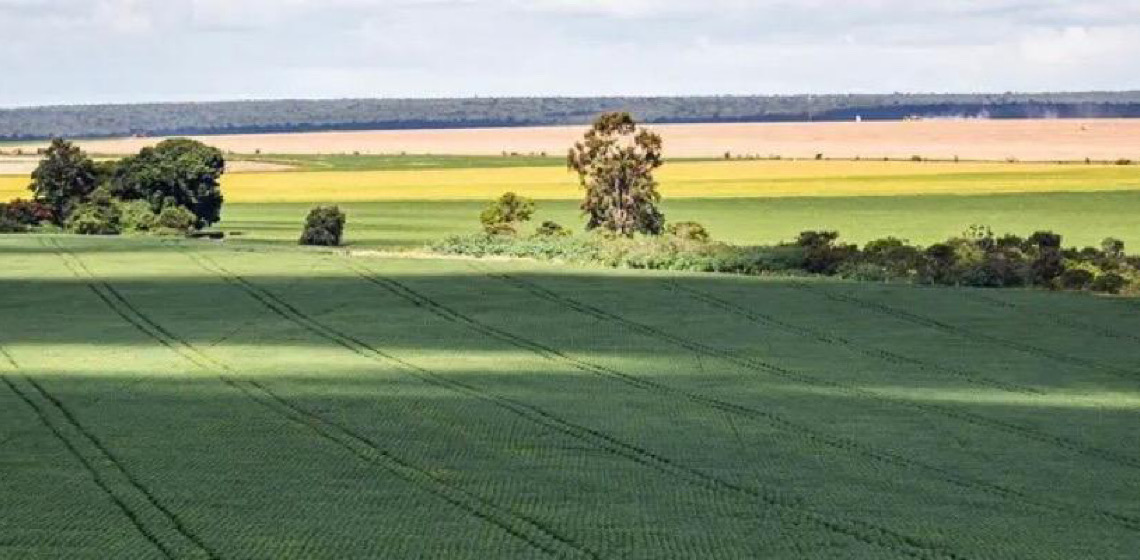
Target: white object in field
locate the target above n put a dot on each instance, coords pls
(858, 118)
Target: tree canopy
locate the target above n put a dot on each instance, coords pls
(64, 178)
(176, 172)
(615, 163)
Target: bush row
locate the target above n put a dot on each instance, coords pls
(975, 258)
(99, 215)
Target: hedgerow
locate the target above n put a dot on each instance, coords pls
(975, 258)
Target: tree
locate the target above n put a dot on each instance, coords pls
(176, 172)
(64, 178)
(100, 215)
(502, 215)
(324, 226)
(615, 163)
(1048, 262)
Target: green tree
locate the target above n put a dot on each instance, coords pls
(176, 172)
(99, 215)
(503, 215)
(64, 179)
(324, 226)
(615, 163)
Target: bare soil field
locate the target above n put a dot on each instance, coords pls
(1025, 140)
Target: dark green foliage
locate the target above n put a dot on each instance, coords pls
(8, 225)
(822, 255)
(172, 119)
(503, 216)
(976, 258)
(1075, 279)
(324, 226)
(1109, 283)
(176, 219)
(551, 229)
(27, 212)
(100, 215)
(895, 257)
(615, 163)
(176, 172)
(136, 216)
(1113, 248)
(64, 178)
(691, 231)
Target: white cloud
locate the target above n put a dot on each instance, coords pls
(129, 50)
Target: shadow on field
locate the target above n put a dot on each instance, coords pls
(232, 456)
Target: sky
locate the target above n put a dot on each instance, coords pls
(121, 51)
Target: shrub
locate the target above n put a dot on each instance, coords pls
(27, 212)
(865, 272)
(1109, 283)
(1075, 279)
(821, 254)
(1113, 248)
(324, 226)
(688, 231)
(176, 219)
(894, 256)
(551, 229)
(136, 215)
(99, 216)
(502, 216)
(8, 225)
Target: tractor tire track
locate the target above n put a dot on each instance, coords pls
(835, 340)
(761, 366)
(814, 437)
(861, 531)
(961, 332)
(176, 540)
(1056, 318)
(358, 445)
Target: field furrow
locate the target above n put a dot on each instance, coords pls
(877, 535)
(814, 437)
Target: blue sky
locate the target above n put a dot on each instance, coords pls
(97, 51)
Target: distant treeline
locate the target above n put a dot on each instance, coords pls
(233, 117)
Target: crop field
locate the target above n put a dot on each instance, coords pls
(235, 400)
(978, 139)
(437, 179)
(1083, 218)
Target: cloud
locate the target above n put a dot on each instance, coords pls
(130, 50)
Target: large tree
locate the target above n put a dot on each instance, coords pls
(176, 172)
(615, 163)
(64, 178)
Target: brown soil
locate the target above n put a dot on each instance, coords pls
(1026, 140)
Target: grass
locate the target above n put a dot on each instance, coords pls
(1084, 218)
(242, 401)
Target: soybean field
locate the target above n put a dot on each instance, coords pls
(182, 399)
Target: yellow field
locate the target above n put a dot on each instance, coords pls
(679, 180)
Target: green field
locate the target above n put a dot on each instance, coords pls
(235, 400)
(1084, 218)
